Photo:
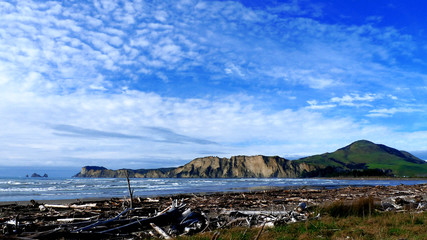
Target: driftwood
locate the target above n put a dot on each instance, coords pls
(149, 217)
(262, 218)
(130, 189)
(160, 231)
(83, 206)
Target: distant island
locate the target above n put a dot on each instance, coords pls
(36, 175)
(359, 159)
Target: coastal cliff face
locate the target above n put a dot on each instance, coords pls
(212, 167)
(101, 172)
(241, 167)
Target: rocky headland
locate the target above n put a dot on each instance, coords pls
(361, 158)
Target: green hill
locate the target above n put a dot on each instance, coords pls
(369, 158)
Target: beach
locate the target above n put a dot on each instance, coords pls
(46, 215)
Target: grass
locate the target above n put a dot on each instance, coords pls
(374, 156)
(361, 207)
(398, 165)
(356, 223)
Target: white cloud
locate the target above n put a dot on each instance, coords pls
(161, 16)
(298, 8)
(389, 112)
(233, 69)
(315, 106)
(237, 127)
(355, 99)
(305, 51)
(392, 97)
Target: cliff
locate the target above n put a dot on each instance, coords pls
(212, 167)
(102, 172)
(241, 167)
(361, 158)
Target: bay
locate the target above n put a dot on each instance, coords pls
(25, 189)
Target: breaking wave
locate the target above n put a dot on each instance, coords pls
(25, 189)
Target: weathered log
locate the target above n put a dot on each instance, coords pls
(260, 231)
(74, 206)
(166, 218)
(73, 219)
(101, 222)
(160, 231)
(254, 212)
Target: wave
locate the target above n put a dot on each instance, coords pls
(40, 189)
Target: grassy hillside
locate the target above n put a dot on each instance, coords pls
(367, 155)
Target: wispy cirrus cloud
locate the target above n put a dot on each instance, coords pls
(152, 134)
(313, 104)
(356, 99)
(348, 100)
(389, 112)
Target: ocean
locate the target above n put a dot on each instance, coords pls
(25, 189)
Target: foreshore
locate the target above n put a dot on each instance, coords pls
(329, 193)
(46, 214)
(53, 201)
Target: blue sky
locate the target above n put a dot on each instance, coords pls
(144, 84)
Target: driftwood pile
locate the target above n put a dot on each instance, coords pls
(100, 220)
(103, 219)
(165, 217)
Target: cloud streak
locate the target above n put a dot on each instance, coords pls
(154, 134)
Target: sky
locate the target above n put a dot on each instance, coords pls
(147, 84)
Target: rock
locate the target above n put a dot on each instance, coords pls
(301, 207)
(34, 175)
(102, 172)
(386, 206)
(42, 208)
(241, 167)
(211, 167)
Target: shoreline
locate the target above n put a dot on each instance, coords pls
(243, 190)
(214, 210)
(52, 201)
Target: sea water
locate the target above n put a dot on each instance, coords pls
(25, 189)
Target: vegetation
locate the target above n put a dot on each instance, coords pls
(354, 221)
(330, 171)
(361, 156)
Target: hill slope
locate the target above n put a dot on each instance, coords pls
(361, 158)
(365, 155)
